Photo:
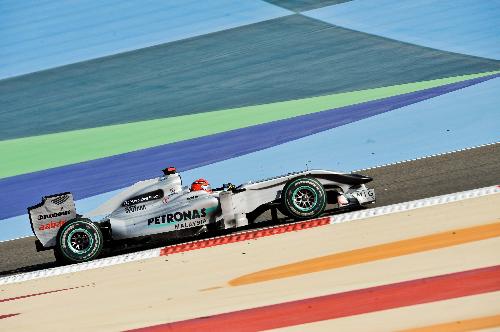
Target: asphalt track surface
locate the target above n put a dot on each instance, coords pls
(421, 256)
(439, 175)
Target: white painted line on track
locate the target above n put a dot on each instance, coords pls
(109, 261)
(17, 238)
(416, 204)
(425, 157)
(345, 217)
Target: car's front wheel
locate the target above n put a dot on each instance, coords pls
(79, 240)
(303, 198)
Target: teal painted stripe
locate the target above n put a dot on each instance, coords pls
(83, 145)
(461, 26)
(103, 175)
(302, 5)
(289, 58)
(443, 124)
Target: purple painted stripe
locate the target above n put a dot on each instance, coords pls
(102, 175)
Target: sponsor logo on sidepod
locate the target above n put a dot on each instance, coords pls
(157, 194)
(53, 215)
(51, 225)
(135, 208)
(177, 216)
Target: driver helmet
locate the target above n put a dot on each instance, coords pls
(201, 184)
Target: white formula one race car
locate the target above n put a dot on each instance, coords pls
(163, 206)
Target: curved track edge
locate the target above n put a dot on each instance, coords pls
(252, 234)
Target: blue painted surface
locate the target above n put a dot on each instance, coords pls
(19, 226)
(292, 57)
(98, 176)
(456, 120)
(416, 130)
(461, 26)
(37, 35)
(459, 119)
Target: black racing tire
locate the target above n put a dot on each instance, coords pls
(303, 198)
(60, 260)
(78, 240)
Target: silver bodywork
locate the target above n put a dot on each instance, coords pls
(163, 205)
(47, 217)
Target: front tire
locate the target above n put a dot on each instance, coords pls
(303, 198)
(79, 240)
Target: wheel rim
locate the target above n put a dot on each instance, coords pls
(304, 198)
(80, 241)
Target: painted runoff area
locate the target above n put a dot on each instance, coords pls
(434, 126)
(469, 235)
(83, 145)
(40, 35)
(362, 301)
(301, 5)
(399, 291)
(98, 176)
(373, 253)
(224, 70)
(460, 26)
(464, 325)
(459, 119)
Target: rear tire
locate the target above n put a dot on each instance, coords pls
(303, 198)
(79, 240)
(59, 257)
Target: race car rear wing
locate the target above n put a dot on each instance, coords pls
(48, 216)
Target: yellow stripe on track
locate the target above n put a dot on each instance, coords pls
(462, 325)
(373, 253)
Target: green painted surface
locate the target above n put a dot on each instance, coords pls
(36, 153)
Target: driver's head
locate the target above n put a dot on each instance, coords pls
(201, 184)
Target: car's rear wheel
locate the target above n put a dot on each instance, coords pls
(303, 198)
(79, 240)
